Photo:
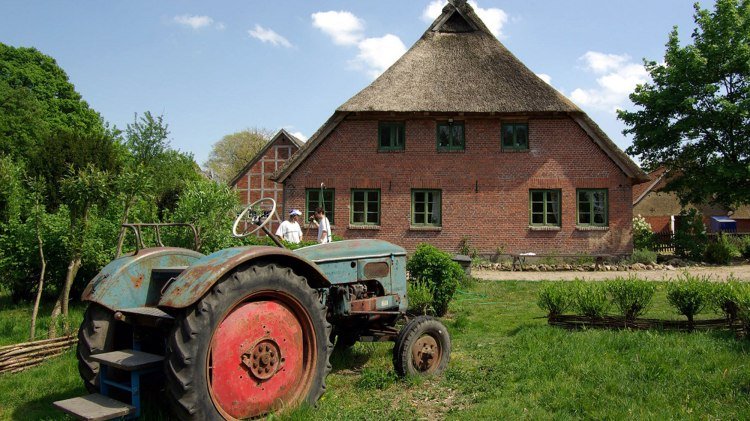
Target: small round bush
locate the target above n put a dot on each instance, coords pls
(438, 272)
(419, 297)
(591, 299)
(647, 257)
(689, 294)
(555, 298)
(631, 296)
(721, 251)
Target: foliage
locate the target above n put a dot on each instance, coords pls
(12, 191)
(745, 246)
(465, 248)
(555, 298)
(725, 297)
(720, 251)
(631, 296)
(591, 298)
(647, 257)
(643, 234)
(37, 100)
(438, 271)
(690, 237)
(230, 154)
(694, 116)
(689, 294)
(419, 297)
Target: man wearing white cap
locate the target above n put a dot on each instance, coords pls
(290, 230)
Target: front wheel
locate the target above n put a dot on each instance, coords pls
(423, 346)
(255, 344)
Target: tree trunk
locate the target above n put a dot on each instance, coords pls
(40, 287)
(125, 213)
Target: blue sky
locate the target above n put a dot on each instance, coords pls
(213, 68)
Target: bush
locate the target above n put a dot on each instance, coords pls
(438, 272)
(591, 299)
(721, 251)
(420, 298)
(724, 297)
(631, 296)
(689, 295)
(690, 238)
(647, 257)
(555, 298)
(743, 308)
(745, 246)
(643, 234)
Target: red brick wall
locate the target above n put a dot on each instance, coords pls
(485, 192)
(255, 183)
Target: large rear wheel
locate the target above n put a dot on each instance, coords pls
(96, 335)
(255, 344)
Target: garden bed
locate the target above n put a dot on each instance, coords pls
(619, 322)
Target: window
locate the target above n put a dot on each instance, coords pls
(545, 207)
(365, 207)
(317, 198)
(592, 207)
(425, 208)
(450, 136)
(515, 136)
(391, 136)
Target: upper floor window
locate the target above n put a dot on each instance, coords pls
(391, 136)
(515, 136)
(365, 207)
(592, 207)
(450, 136)
(317, 198)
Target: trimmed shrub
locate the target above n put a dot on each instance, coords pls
(724, 297)
(689, 295)
(647, 257)
(743, 308)
(419, 297)
(745, 247)
(555, 298)
(591, 299)
(690, 238)
(438, 272)
(631, 296)
(721, 251)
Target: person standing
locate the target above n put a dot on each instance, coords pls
(324, 226)
(290, 230)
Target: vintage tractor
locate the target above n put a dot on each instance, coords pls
(244, 331)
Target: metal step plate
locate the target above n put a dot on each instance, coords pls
(128, 359)
(95, 407)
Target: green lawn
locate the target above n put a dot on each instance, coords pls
(506, 364)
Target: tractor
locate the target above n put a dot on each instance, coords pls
(245, 331)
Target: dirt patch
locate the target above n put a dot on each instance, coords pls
(714, 272)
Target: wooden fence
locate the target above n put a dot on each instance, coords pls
(664, 241)
(19, 357)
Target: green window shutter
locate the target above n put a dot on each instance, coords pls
(592, 207)
(317, 198)
(391, 136)
(515, 136)
(365, 207)
(426, 208)
(544, 208)
(451, 136)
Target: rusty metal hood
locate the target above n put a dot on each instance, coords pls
(350, 249)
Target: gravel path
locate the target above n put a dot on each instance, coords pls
(716, 273)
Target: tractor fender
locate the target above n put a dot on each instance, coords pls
(126, 281)
(197, 280)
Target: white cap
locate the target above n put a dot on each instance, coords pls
(295, 212)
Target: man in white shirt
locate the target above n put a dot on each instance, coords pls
(324, 227)
(290, 230)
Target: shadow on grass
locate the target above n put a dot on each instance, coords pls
(353, 358)
(42, 408)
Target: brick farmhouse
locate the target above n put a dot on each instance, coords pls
(460, 140)
(253, 182)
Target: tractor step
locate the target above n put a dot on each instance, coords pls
(95, 407)
(145, 316)
(128, 359)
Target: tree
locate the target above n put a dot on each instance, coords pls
(36, 100)
(36, 187)
(694, 117)
(230, 154)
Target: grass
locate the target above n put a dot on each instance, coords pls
(506, 364)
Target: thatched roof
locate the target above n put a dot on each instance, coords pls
(279, 135)
(459, 66)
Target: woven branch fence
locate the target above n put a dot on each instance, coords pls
(19, 357)
(619, 322)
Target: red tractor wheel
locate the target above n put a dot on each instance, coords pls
(423, 346)
(256, 343)
(95, 335)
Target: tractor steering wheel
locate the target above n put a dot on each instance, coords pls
(254, 215)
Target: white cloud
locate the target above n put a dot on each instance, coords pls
(378, 54)
(269, 35)
(617, 76)
(545, 77)
(343, 27)
(300, 136)
(194, 21)
(492, 17)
